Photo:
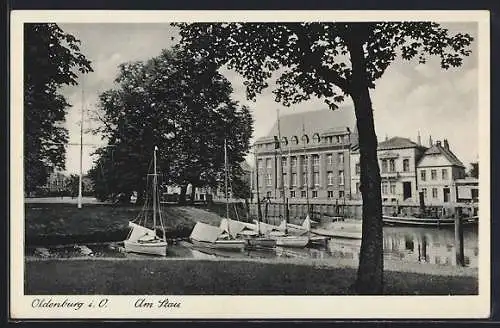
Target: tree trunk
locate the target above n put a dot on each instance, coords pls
(371, 262)
(182, 195)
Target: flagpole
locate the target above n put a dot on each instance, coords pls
(81, 153)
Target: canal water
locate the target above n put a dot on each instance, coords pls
(405, 244)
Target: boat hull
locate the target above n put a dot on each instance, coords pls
(262, 242)
(429, 222)
(337, 233)
(234, 245)
(292, 241)
(158, 248)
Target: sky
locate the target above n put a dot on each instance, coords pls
(410, 98)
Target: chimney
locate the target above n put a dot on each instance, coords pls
(430, 141)
(438, 143)
(386, 137)
(446, 145)
(419, 141)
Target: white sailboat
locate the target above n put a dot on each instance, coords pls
(224, 236)
(143, 237)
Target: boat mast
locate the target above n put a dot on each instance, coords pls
(306, 166)
(281, 156)
(257, 186)
(226, 185)
(154, 189)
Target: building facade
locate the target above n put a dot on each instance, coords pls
(311, 159)
(438, 171)
(397, 161)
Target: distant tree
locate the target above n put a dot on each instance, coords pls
(330, 61)
(182, 105)
(52, 59)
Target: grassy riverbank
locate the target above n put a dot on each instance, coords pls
(49, 224)
(206, 277)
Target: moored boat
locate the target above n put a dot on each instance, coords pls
(143, 236)
(425, 221)
(206, 235)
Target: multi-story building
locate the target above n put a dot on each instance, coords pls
(397, 161)
(310, 161)
(438, 171)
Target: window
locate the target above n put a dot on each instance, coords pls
(316, 178)
(295, 140)
(329, 158)
(406, 165)
(268, 194)
(268, 163)
(444, 174)
(330, 194)
(433, 174)
(338, 138)
(292, 194)
(434, 193)
(269, 179)
(285, 180)
(357, 168)
(392, 187)
(384, 166)
(384, 188)
(392, 165)
(424, 191)
(293, 162)
(330, 178)
(422, 175)
(315, 194)
(261, 164)
(341, 194)
(303, 194)
(304, 163)
(294, 179)
(316, 138)
(357, 188)
(315, 160)
(283, 162)
(341, 158)
(341, 178)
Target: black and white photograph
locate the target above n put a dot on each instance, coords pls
(250, 164)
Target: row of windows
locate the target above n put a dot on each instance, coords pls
(303, 194)
(316, 138)
(434, 174)
(293, 163)
(316, 182)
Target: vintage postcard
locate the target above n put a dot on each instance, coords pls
(249, 164)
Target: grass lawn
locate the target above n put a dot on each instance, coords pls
(47, 224)
(205, 277)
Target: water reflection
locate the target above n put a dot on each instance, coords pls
(420, 245)
(405, 244)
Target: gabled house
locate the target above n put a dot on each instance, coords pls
(438, 170)
(397, 157)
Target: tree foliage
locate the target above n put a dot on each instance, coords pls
(329, 61)
(182, 105)
(52, 59)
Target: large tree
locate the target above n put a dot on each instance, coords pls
(330, 61)
(52, 59)
(182, 105)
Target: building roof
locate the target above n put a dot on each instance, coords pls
(397, 143)
(392, 143)
(317, 121)
(438, 149)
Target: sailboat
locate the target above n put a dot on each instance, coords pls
(143, 237)
(224, 236)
